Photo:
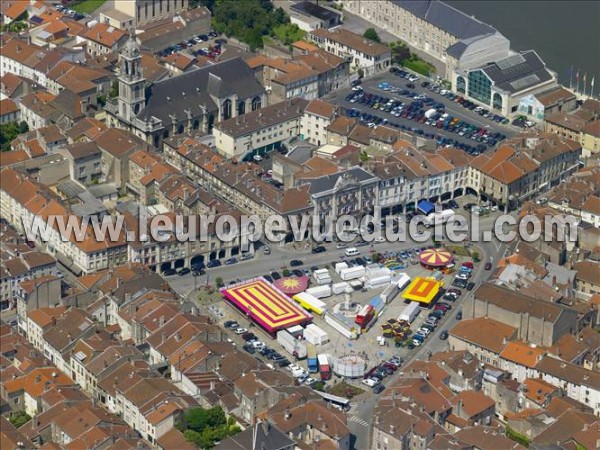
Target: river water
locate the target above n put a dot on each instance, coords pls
(564, 33)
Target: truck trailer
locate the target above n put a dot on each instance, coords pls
(439, 217)
(312, 362)
(324, 366)
(409, 312)
(292, 345)
(310, 303)
(320, 291)
(351, 273)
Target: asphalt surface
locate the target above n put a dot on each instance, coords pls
(371, 84)
(360, 415)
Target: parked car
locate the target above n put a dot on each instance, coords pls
(488, 266)
(213, 263)
(231, 325)
(444, 335)
(296, 263)
(240, 330)
(378, 388)
(231, 261)
(247, 336)
(249, 348)
(169, 272)
(371, 382)
(470, 286)
(459, 315)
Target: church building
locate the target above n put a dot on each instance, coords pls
(190, 102)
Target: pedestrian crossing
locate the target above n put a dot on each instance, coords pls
(359, 421)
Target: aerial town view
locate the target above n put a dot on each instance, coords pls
(299, 224)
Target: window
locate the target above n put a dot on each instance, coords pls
(226, 109)
(256, 103)
(480, 86)
(241, 109)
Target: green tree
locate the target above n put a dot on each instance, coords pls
(205, 427)
(248, 20)
(19, 418)
(219, 282)
(9, 131)
(370, 33)
(288, 33)
(400, 52)
(114, 90)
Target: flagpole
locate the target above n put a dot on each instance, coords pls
(571, 78)
(592, 89)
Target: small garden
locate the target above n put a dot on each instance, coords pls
(344, 389)
(402, 56)
(205, 427)
(86, 6)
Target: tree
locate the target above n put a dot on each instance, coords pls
(248, 20)
(114, 90)
(19, 418)
(9, 131)
(400, 52)
(370, 33)
(205, 427)
(219, 282)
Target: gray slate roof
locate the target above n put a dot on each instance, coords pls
(518, 72)
(262, 436)
(327, 183)
(447, 18)
(219, 81)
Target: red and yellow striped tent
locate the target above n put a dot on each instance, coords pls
(266, 305)
(435, 257)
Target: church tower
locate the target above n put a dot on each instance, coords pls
(131, 81)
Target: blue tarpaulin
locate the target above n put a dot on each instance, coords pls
(426, 207)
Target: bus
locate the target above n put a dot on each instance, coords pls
(341, 403)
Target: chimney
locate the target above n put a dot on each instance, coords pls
(287, 414)
(118, 282)
(392, 429)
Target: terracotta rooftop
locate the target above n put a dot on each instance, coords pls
(351, 40)
(522, 353)
(494, 337)
(105, 35)
(588, 271)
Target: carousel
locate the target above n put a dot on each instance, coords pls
(292, 285)
(436, 258)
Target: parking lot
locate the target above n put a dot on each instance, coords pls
(389, 98)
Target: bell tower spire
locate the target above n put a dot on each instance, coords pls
(131, 98)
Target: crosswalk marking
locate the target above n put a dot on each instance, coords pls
(359, 421)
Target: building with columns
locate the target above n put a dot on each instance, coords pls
(191, 102)
(140, 12)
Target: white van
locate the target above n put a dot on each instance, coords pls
(352, 251)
